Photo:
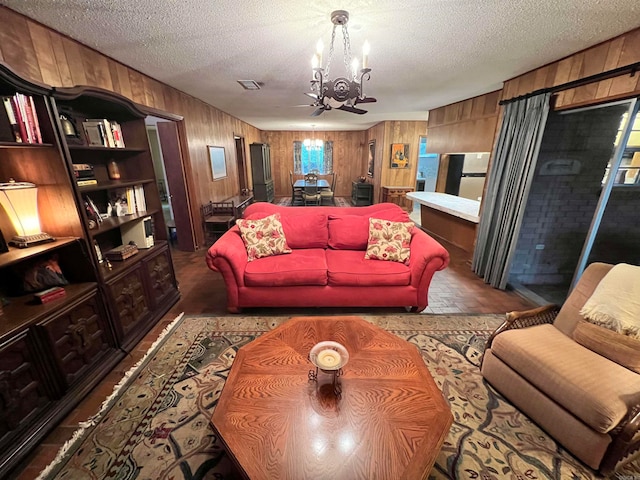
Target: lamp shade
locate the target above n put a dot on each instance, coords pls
(20, 203)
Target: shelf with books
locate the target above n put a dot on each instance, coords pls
(109, 150)
(111, 223)
(113, 184)
(4, 144)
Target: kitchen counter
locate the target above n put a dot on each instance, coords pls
(449, 217)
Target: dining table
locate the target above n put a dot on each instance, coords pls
(320, 183)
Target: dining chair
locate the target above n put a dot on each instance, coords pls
(296, 192)
(328, 194)
(311, 195)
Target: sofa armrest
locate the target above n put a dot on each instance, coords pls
(525, 318)
(427, 257)
(228, 256)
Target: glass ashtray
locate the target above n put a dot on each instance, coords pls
(329, 355)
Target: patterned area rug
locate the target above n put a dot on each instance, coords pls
(340, 202)
(157, 425)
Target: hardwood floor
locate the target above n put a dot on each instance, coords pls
(454, 290)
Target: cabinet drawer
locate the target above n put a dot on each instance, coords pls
(161, 278)
(78, 337)
(22, 392)
(128, 300)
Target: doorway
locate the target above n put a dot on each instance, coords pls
(241, 161)
(166, 152)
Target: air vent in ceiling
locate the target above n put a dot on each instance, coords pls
(249, 84)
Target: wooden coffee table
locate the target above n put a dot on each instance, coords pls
(389, 422)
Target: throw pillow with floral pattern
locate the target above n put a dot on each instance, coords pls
(389, 240)
(263, 237)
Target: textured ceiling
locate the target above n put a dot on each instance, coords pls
(424, 53)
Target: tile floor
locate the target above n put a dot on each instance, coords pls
(454, 290)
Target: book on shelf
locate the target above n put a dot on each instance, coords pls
(103, 133)
(23, 118)
(122, 252)
(49, 294)
(86, 181)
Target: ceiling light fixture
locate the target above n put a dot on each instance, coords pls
(342, 93)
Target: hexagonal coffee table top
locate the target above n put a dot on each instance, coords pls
(389, 422)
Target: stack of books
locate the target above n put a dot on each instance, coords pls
(23, 118)
(84, 174)
(49, 294)
(101, 132)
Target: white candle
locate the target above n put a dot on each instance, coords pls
(328, 358)
(365, 54)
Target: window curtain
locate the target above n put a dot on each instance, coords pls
(514, 162)
(297, 157)
(328, 157)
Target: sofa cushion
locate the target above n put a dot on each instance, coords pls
(301, 267)
(263, 237)
(591, 387)
(389, 241)
(302, 231)
(351, 232)
(349, 267)
(618, 348)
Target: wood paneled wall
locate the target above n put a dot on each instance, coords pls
(46, 56)
(467, 126)
(397, 132)
(348, 151)
(617, 52)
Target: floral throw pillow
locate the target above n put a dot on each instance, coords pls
(263, 237)
(389, 240)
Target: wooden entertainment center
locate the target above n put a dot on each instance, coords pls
(52, 354)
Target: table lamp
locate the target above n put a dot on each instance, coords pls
(20, 202)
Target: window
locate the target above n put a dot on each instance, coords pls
(628, 173)
(312, 155)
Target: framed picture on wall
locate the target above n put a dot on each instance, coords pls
(372, 157)
(399, 155)
(218, 162)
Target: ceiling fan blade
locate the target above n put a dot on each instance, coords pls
(350, 109)
(365, 100)
(312, 95)
(317, 111)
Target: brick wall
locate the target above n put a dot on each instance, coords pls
(560, 208)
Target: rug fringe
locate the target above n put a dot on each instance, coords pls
(107, 403)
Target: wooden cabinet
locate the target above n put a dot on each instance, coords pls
(52, 354)
(361, 193)
(398, 195)
(263, 189)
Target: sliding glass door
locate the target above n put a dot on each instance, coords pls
(576, 171)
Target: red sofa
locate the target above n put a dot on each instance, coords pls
(327, 267)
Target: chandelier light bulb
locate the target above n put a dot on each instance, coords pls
(319, 49)
(355, 67)
(366, 48)
(315, 63)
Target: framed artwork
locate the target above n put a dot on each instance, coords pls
(372, 157)
(399, 155)
(218, 162)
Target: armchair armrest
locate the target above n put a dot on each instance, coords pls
(525, 318)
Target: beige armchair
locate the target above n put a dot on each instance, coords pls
(587, 402)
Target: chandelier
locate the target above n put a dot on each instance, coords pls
(341, 93)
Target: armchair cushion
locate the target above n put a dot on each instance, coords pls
(591, 387)
(622, 349)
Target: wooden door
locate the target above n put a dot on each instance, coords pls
(174, 169)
